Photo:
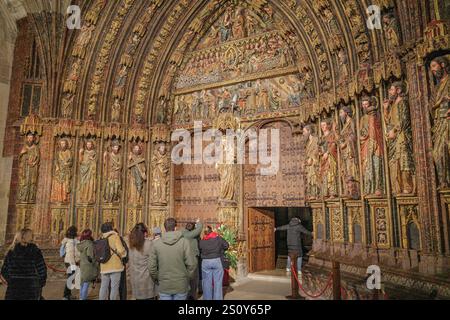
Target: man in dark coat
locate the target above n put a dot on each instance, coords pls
(295, 248)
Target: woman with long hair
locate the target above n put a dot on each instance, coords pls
(71, 257)
(89, 267)
(24, 270)
(142, 284)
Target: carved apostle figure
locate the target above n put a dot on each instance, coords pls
(62, 176)
(328, 160)
(88, 173)
(371, 148)
(391, 31)
(29, 160)
(137, 175)
(160, 175)
(348, 146)
(399, 140)
(227, 175)
(440, 116)
(311, 163)
(112, 164)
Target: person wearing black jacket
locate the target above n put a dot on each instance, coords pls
(212, 249)
(24, 270)
(295, 250)
(294, 239)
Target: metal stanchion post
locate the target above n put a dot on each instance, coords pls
(294, 284)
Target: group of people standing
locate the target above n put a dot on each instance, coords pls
(164, 266)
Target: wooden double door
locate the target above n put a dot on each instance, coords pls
(261, 239)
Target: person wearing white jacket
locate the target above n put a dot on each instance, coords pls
(71, 257)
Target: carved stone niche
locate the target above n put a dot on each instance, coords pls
(410, 230)
(86, 218)
(134, 216)
(59, 223)
(229, 215)
(320, 244)
(24, 216)
(156, 217)
(111, 214)
(356, 226)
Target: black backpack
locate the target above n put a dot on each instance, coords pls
(102, 251)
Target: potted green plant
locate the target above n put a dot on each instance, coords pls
(229, 235)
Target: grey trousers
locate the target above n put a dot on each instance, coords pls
(114, 280)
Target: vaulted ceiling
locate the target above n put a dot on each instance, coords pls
(142, 46)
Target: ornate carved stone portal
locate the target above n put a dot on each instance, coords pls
(362, 115)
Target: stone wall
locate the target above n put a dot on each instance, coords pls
(7, 38)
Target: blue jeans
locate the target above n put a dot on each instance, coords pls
(299, 263)
(212, 270)
(84, 291)
(178, 296)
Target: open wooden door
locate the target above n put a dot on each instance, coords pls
(261, 239)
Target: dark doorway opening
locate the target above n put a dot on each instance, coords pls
(268, 251)
(282, 217)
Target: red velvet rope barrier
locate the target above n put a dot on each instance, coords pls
(54, 269)
(301, 287)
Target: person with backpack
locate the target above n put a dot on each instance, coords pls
(142, 285)
(24, 271)
(172, 263)
(212, 249)
(71, 256)
(88, 266)
(109, 252)
(191, 233)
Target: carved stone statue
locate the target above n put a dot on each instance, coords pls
(161, 115)
(311, 163)
(348, 148)
(79, 50)
(371, 148)
(137, 175)
(115, 110)
(62, 176)
(328, 160)
(29, 160)
(440, 116)
(112, 163)
(227, 175)
(88, 173)
(160, 175)
(391, 31)
(399, 140)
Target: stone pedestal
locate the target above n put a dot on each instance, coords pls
(445, 207)
(380, 221)
(157, 216)
(229, 215)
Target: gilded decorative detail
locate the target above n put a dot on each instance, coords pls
(104, 56)
(59, 222)
(111, 215)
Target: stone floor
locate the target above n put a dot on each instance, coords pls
(246, 289)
